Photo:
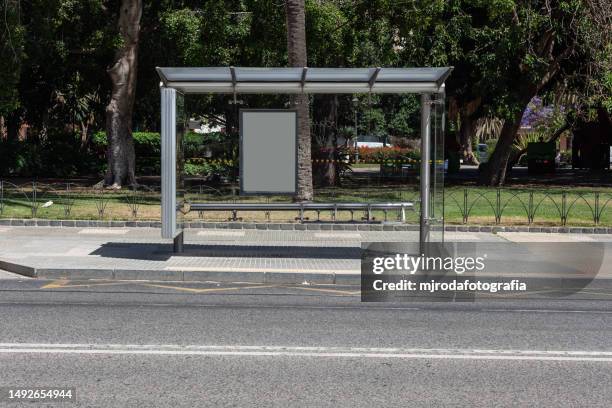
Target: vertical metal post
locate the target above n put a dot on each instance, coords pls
(168, 163)
(441, 143)
(425, 168)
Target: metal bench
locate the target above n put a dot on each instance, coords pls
(367, 208)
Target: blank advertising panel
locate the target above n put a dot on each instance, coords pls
(268, 151)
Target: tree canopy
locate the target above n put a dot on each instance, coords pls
(504, 52)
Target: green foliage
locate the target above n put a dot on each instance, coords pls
(149, 142)
(196, 148)
(11, 48)
(62, 77)
(55, 53)
(184, 28)
(60, 155)
(491, 144)
(213, 170)
(524, 139)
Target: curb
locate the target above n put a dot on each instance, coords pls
(278, 277)
(182, 276)
(391, 226)
(18, 269)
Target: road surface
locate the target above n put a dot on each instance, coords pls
(183, 345)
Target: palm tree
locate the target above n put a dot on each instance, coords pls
(296, 50)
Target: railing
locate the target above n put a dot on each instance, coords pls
(529, 204)
(467, 205)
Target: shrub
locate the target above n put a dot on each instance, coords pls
(147, 146)
(382, 154)
(58, 155)
(148, 143)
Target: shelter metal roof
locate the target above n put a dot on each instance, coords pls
(306, 80)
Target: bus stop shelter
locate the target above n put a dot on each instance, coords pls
(428, 82)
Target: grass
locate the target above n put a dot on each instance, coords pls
(547, 205)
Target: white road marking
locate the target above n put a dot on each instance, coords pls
(5, 229)
(111, 231)
(221, 233)
(335, 352)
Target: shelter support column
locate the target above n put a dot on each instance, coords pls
(168, 163)
(425, 167)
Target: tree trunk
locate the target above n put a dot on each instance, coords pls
(120, 154)
(84, 128)
(3, 129)
(493, 172)
(466, 133)
(330, 171)
(22, 133)
(466, 111)
(296, 50)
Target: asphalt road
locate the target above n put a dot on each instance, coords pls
(186, 345)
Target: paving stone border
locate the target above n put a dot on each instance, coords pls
(298, 227)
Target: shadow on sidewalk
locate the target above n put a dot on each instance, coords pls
(162, 252)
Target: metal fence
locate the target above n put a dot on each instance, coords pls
(469, 205)
(530, 205)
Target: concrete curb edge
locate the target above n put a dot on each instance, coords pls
(14, 222)
(276, 277)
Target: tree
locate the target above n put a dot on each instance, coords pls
(59, 46)
(468, 118)
(11, 49)
(550, 43)
(121, 157)
(505, 52)
(297, 56)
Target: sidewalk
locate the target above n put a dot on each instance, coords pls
(212, 255)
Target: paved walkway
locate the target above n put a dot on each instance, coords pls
(140, 253)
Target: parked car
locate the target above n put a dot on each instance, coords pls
(482, 151)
